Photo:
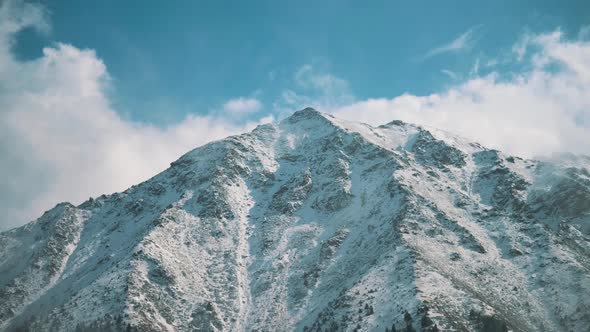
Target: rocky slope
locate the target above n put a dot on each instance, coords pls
(315, 224)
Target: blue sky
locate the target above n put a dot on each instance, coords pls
(167, 59)
(96, 96)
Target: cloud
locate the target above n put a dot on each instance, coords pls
(540, 111)
(475, 68)
(451, 74)
(313, 87)
(16, 15)
(61, 140)
(242, 105)
(462, 42)
(309, 78)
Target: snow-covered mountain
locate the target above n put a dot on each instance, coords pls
(315, 224)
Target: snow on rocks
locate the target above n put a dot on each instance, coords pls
(315, 224)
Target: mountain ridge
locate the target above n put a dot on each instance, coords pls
(310, 224)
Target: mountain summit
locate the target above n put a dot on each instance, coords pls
(315, 224)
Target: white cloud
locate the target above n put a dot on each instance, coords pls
(60, 140)
(461, 42)
(534, 112)
(541, 111)
(242, 105)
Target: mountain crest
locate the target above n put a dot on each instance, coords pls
(313, 224)
(308, 116)
(308, 112)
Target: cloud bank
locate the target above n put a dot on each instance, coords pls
(60, 139)
(539, 111)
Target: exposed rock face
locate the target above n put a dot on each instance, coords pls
(315, 224)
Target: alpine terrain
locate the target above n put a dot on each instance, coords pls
(315, 224)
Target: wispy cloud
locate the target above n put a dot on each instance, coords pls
(520, 48)
(309, 77)
(475, 68)
(461, 42)
(451, 74)
(314, 87)
(242, 105)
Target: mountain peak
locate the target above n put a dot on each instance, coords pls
(307, 113)
(313, 224)
(308, 110)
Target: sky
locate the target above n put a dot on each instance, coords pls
(96, 96)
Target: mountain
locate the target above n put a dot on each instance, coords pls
(315, 224)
